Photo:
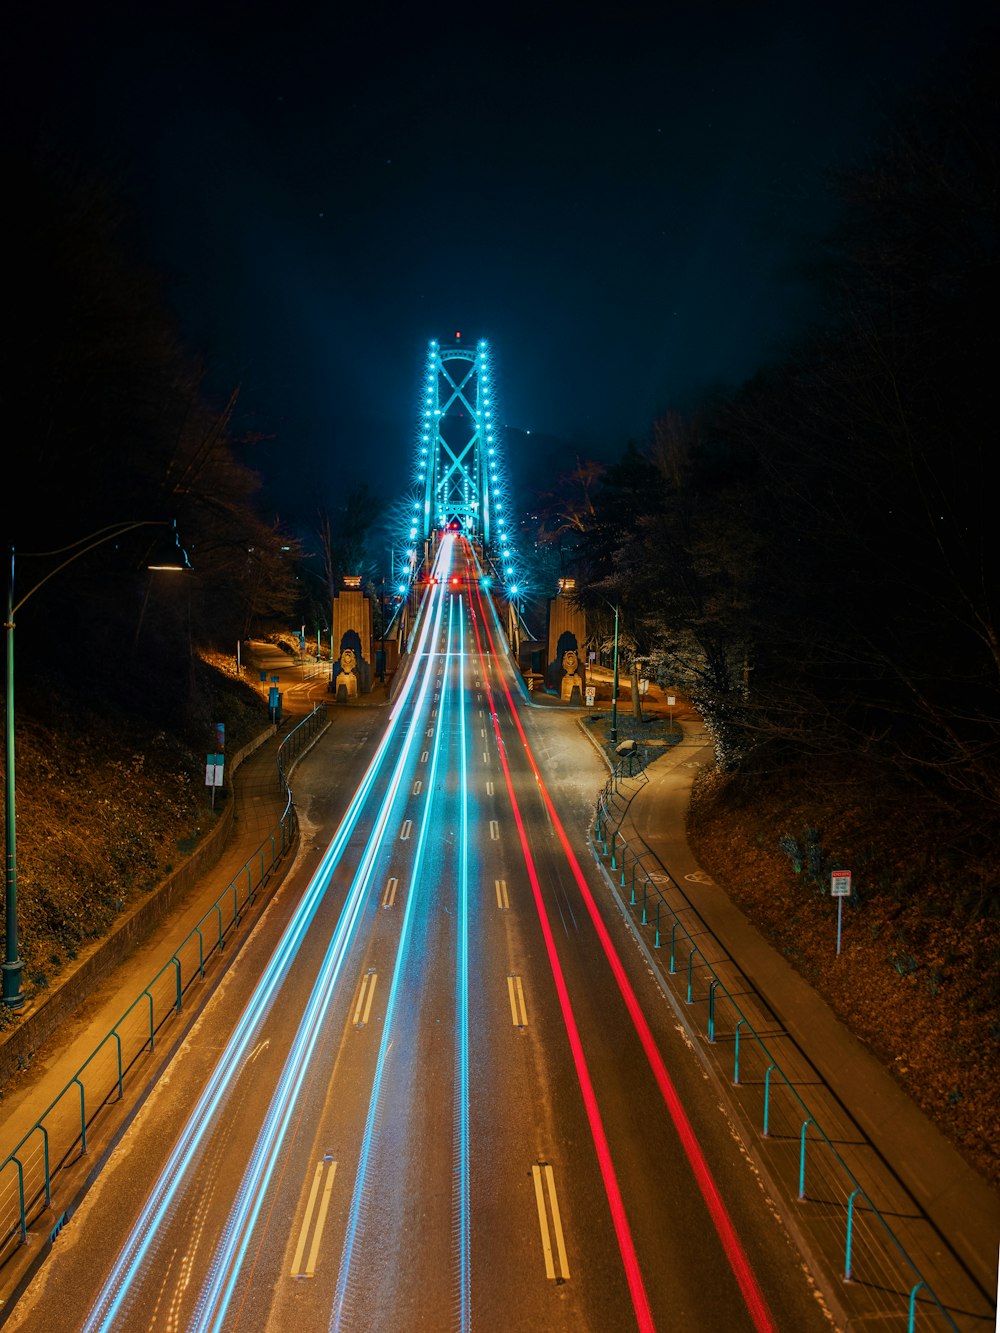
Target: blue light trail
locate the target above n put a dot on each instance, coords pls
(227, 1263)
(462, 1010)
(373, 1119)
(143, 1239)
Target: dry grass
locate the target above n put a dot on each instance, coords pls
(107, 807)
(918, 979)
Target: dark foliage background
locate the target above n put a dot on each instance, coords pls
(814, 557)
(109, 428)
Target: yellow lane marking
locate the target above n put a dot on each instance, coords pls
(537, 1170)
(489, 789)
(310, 1267)
(389, 897)
(502, 900)
(365, 996)
(518, 1010)
(416, 787)
(406, 830)
(494, 830)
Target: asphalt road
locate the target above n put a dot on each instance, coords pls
(439, 1088)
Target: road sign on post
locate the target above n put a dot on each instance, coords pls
(214, 764)
(840, 888)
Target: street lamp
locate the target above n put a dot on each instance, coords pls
(174, 557)
(614, 685)
(381, 594)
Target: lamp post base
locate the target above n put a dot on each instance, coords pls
(13, 996)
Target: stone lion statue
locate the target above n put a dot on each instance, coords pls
(347, 680)
(571, 680)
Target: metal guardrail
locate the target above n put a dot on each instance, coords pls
(875, 1262)
(58, 1139)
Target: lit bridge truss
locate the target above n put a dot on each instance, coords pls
(459, 477)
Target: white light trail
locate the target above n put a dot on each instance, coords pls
(143, 1239)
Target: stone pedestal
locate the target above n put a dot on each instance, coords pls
(565, 669)
(353, 621)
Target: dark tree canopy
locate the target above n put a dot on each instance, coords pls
(815, 557)
(111, 428)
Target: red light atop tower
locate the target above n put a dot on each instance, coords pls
(458, 337)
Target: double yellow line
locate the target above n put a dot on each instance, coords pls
(329, 1165)
(545, 1187)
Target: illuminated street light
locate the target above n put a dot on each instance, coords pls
(172, 557)
(614, 684)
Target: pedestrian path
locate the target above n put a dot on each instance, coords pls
(831, 1129)
(258, 801)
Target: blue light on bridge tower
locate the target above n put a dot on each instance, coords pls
(460, 480)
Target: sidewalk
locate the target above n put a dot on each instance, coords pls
(906, 1166)
(915, 1178)
(258, 801)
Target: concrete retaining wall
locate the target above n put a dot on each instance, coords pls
(99, 960)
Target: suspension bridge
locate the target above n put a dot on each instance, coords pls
(460, 481)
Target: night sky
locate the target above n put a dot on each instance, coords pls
(626, 209)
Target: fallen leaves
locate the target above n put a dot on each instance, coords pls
(917, 980)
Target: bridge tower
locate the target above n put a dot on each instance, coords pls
(460, 478)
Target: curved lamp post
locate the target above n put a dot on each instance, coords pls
(614, 685)
(174, 558)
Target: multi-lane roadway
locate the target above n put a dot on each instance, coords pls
(439, 1088)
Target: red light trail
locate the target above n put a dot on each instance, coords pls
(750, 1288)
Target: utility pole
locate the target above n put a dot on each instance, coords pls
(614, 687)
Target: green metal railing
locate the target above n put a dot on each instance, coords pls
(883, 1278)
(58, 1138)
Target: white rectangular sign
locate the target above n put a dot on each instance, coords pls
(840, 884)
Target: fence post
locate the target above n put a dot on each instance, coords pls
(802, 1157)
(767, 1096)
(83, 1115)
(690, 970)
(736, 1057)
(45, 1159)
(644, 888)
(20, 1195)
(850, 1235)
(913, 1303)
(656, 941)
(673, 932)
(711, 1008)
(177, 974)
